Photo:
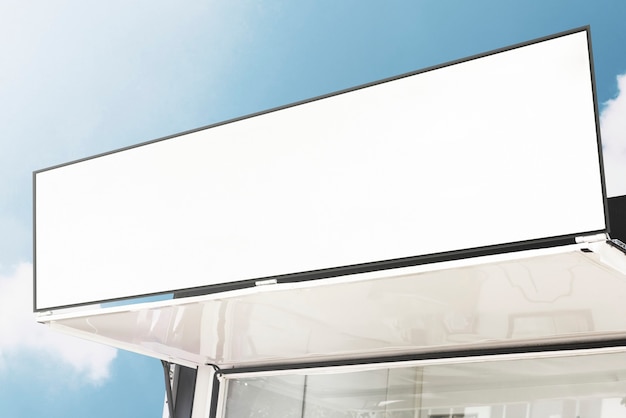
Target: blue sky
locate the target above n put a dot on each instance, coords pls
(83, 77)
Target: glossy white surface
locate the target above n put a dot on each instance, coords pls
(559, 294)
(494, 150)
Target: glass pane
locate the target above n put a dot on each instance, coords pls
(276, 396)
(585, 386)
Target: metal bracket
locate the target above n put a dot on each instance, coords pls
(265, 282)
(617, 244)
(590, 239)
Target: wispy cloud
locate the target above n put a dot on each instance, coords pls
(21, 335)
(613, 125)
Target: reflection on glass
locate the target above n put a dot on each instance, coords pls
(589, 386)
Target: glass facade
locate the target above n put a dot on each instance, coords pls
(579, 385)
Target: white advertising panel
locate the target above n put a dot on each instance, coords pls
(498, 149)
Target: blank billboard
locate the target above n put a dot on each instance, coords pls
(497, 149)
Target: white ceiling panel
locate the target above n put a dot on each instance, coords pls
(531, 297)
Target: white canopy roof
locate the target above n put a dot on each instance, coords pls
(569, 293)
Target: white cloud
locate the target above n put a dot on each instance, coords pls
(20, 334)
(613, 125)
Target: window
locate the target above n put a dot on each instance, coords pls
(589, 384)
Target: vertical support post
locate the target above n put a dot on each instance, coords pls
(203, 396)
